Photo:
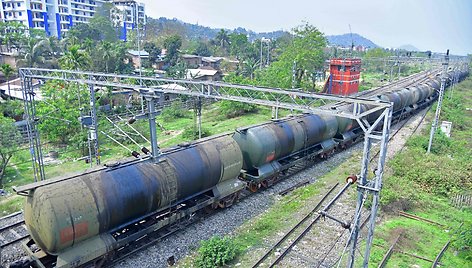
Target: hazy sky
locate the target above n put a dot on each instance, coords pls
(427, 24)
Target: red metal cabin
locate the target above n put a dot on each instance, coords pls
(344, 76)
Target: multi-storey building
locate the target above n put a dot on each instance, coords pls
(56, 17)
(127, 14)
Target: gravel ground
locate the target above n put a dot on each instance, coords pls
(14, 251)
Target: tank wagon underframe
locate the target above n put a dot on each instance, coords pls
(372, 117)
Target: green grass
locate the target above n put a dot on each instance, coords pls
(422, 184)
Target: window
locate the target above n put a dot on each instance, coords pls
(20, 14)
(19, 4)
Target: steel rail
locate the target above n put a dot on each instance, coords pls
(441, 253)
(11, 225)
(281, 240)
(312, 223)
(14, 240)
(389, 252)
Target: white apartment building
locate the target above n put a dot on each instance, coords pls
(127, 14)
(56, 17)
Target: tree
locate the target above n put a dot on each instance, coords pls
(37, 54)
(12, 34)
(238, 45)
(303, 56)
(104, 27)
(153, 50)
(75, 59)
(59, 111)
(172, 44)
(202, 49)
(80, 33)
(250, 67)
(106, 50)
(7, 71)
(223, 39)
(9, 143)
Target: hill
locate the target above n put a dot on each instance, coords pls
(408, 48)
(195, 31)
(344, 40)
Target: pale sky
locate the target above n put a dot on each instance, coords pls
(434, 25)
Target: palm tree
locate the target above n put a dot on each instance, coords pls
(75, 59)
(223, 38)
(250, 67)
(107, 53)
(35, 53)
(7, 71)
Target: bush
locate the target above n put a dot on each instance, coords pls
(215, 252)
(463, 240)
(175, 111)
(191, 133)
(441, 143)
(233, 109)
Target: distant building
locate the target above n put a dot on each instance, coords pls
(213, 62)
(203, 75)
(127, 14)
(192, 61)
(56, 17)
(137, 57)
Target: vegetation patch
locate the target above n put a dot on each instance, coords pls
(423, 184)
(215, 252)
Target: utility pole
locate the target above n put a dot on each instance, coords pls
(268, 52)
(399, 66)
(440, 99)
(94, 127)
(260, 63)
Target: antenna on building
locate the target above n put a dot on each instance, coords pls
(352, 40)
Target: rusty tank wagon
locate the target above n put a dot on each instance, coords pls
(75, 219)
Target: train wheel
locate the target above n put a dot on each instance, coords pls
(253, 187)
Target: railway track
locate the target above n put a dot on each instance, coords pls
(403, 82)
(12, 229)
(302, 231)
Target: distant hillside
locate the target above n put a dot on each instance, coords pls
(344, 40)
(408, 48)
(195, 31)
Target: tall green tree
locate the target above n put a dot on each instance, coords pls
(7, 71)
(250, 67)
(238, 45)
(202, 49)
(153, 50)
(59, 111)
(172, 44)
(75, 59)
(12, 34)
(222, 39)
(9, 143)
(106, 49)
(37, 54)
(299, 60)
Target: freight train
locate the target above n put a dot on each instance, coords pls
(83, 219)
